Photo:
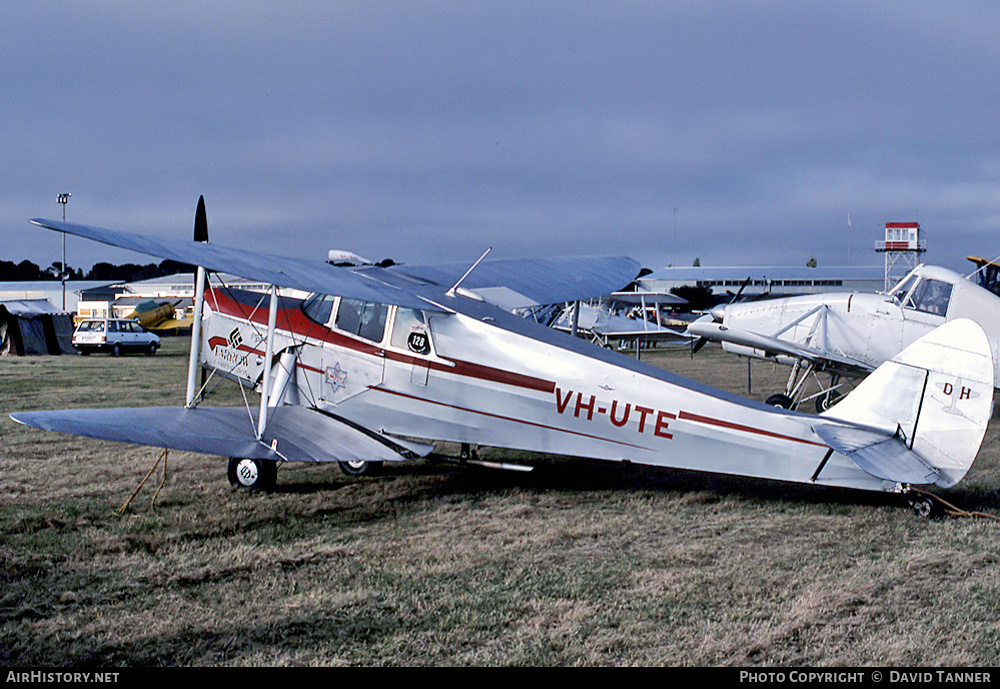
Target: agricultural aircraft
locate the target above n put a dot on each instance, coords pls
(847, 335)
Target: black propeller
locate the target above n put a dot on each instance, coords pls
(201, 222)
(717, 317)
(740, 290)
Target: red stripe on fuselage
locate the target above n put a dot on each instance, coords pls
(508, 418)
(698, 418)
(293, 320)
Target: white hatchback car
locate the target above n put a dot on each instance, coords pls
(115, 336)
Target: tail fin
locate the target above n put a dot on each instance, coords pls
(935, 397)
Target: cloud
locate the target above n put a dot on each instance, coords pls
(732, 131)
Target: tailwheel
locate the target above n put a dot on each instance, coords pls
(258, 475)
(924, 505)
(360, 467)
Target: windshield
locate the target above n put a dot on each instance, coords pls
(930, 296)
(899, 293)
(318, 307)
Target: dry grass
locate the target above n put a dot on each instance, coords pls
(577, 563)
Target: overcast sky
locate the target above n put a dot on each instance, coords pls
(740, 133)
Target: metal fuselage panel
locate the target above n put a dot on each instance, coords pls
(871, 328)
(488, 385)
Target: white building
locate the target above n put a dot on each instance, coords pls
(52, 290)
(775, 280)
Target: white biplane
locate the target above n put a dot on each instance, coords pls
(379, 363)
(848, 334)
(634, 318)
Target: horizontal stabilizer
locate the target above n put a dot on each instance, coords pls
(293, 434)
(881, 455)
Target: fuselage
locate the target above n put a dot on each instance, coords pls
(871, 328)
(483, 376)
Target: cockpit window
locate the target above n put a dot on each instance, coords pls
(930, 296)
(362, 318)
(318, 307)
(409, 331)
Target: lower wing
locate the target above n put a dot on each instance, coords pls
(773, 346)
(293, 433)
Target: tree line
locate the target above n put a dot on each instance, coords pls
(128, 272)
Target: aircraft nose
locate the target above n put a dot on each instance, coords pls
(718, 312)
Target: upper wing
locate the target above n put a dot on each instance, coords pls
(309, 276)
(611, 325)
(508, 283)
(524, 282)
(646, 299)
(773, 346)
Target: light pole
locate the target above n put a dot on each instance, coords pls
(63, 199)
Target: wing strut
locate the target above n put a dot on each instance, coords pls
(200, 235)
(193, 362)
(454, 289)
(265, 388)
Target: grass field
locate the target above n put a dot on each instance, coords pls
(577, 563)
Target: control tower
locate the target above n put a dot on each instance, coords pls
(902, 245)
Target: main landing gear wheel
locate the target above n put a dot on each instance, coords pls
(779, 400)
(360, 467)
(259, 475)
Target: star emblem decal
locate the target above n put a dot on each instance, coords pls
(336, 377)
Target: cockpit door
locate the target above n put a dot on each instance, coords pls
(355, 362)
(411, 335)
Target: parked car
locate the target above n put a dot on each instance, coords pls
(115, 336)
